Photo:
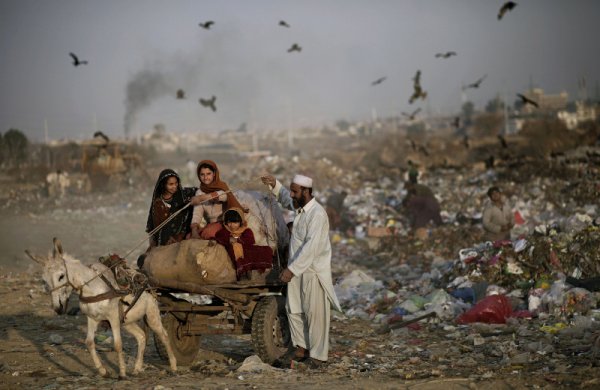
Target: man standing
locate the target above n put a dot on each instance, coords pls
(308, 274)
(498, 218)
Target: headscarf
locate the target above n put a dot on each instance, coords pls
(178, 224)
(218, 185)
(238, 250)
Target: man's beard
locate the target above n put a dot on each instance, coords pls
(299, 202)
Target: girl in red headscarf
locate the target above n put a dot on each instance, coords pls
(238, 239)
(215, 197)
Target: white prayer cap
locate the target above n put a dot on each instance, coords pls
(303, 181)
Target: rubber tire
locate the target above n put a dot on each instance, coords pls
(185, 348)
(270, 328)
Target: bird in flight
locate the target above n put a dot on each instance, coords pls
(413, 145)
(206, 25)
(412, 115)
(283, 23)
(295, 47)
(456, 122)
(101, 135)
(180, 94)
(476, 84)
(417, 90)
(447, 54)
(209, 103)
(526, 101)
(379, 80)
(502, 141)
(77, 61)
(508, 6)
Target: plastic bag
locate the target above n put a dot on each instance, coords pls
(494, 309)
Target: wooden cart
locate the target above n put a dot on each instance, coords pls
(243, 308)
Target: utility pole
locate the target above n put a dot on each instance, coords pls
(531, 84)
(45, 130)
(505, 114)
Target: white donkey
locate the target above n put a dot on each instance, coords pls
(63, 274)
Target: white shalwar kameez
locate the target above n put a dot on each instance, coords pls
(310, 292)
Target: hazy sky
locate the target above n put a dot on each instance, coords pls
(141, 52)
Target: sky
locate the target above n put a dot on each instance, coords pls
(141, 52)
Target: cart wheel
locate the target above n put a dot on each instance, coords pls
(185, 348)
(270, 329)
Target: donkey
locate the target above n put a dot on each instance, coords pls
(62, 274)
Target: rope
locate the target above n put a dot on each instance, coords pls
(151, 233)
(80, 289)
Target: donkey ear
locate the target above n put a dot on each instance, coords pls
(37, 259)
(58, 250)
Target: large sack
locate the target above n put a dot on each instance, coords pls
(265, 219)
(196, 261)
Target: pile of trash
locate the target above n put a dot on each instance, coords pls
(537, 276)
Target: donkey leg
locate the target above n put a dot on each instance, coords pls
(91, 345)
(140, 337)
(154, 322)
(115, 324)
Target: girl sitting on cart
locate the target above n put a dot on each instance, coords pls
(250, 260)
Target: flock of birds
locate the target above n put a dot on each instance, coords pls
(418, 91)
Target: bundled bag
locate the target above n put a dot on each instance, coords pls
(196, 261)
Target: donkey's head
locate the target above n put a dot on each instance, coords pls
(55, 277)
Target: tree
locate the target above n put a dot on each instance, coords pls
(494, 105)
(15, 146)
(343, 125)
(416, 129)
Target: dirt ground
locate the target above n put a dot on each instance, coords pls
(39, 349)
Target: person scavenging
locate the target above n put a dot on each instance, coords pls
(498, 217)
(421, 205)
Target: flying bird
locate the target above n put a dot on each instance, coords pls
(456, 122)
(502, 140)
(413, 145)
(206, 25)
(526, 101)
(508, 6)
(101, 135)
(412, 115)
(447, 54)
(476, 84)
(417, 90)
(295, 47)
(180, 94)
(379, 80)
(209, 103)
(283, 23)
(77, 61)
(423, 150)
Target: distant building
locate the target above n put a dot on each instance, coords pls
(582, 113)
(547, 103)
